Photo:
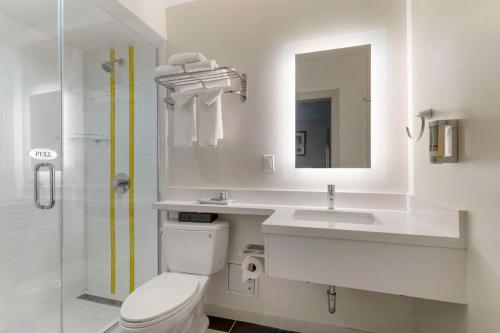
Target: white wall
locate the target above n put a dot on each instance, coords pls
(457, 73)
(255, 44)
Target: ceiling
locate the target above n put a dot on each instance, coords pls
(86, 26)
(171, 3)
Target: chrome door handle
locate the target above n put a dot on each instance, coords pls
(52, 186)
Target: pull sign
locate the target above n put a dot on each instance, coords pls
(43, 154)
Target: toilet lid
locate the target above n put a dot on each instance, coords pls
(159, 296)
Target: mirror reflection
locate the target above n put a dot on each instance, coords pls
(332, 110)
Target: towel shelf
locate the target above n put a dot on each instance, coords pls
(171, 81)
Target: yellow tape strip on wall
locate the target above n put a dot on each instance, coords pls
(131, 155)
(112, 145)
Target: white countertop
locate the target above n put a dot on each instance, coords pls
(391, 226)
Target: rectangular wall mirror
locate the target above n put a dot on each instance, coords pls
(332, 108)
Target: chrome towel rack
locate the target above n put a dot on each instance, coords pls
(205, 77)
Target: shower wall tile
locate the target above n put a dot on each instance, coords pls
(97, 159)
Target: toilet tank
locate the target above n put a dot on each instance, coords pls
(196, 248)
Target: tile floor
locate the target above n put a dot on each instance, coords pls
(79, 317)
(222, 325)
(82, 316)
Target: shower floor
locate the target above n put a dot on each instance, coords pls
(80, 316)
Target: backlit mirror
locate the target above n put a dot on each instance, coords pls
(332, 108)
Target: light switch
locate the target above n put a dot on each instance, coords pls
(268, 163)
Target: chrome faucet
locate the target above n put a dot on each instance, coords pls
(331, 196)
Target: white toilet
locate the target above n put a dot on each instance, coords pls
(171, 302)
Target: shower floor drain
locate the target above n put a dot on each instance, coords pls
(100, 300)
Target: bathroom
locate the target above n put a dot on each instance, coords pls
(390, 225)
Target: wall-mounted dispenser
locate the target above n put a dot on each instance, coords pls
(443, 141)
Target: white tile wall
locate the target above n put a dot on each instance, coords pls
(97, 171)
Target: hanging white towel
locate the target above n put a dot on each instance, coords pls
(186, 58)
(209, 109)
(201, 66)
(184, 118)
(168, 69)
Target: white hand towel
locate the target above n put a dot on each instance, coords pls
(201, 66)
(184, 119)
(186, 58)
(168, 69)
(209, 108)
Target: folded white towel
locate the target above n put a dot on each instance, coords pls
(186, 58)
(188, 87)
(220, 83)
(201, 66)
(184, 118)
(168, 69)
(209, 109)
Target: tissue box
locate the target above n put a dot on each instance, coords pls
(197, 217)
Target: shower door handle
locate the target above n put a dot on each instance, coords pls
(52, 185)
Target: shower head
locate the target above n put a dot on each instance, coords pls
(108, 65)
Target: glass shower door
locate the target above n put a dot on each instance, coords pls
(30, 166)
(109, 228)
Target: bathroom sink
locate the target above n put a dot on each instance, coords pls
(334, 216)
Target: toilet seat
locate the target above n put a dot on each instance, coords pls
(160, 298)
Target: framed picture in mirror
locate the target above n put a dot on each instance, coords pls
(300, 143)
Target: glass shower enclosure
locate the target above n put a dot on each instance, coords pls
(78, 124)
